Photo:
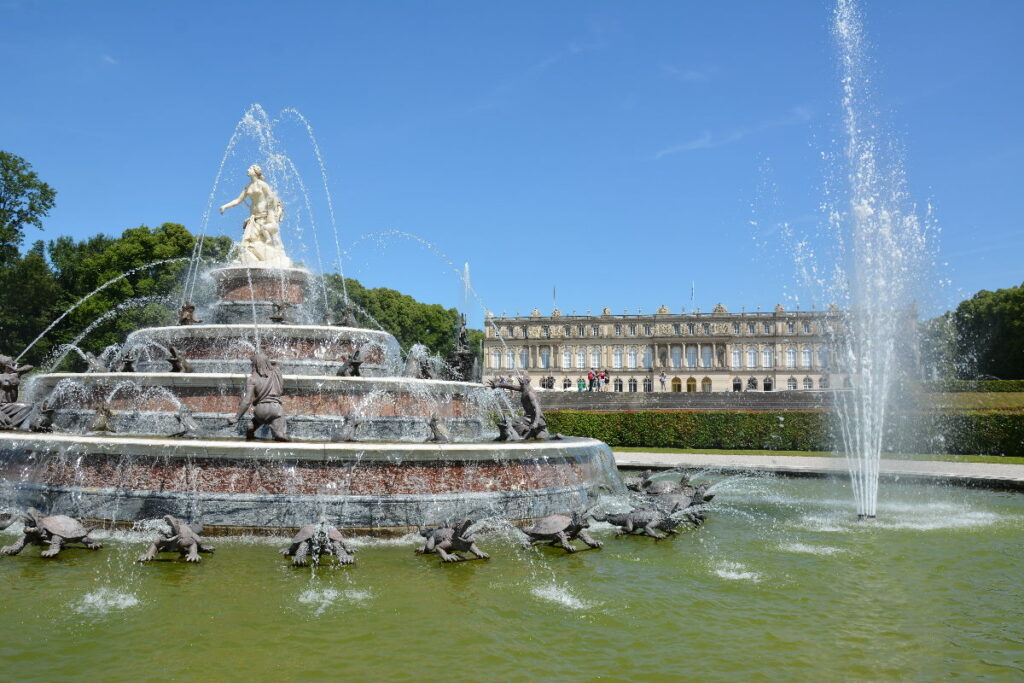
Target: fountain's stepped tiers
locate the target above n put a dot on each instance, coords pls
(234, 485)
(248, 294)
(388, 408)
(300, 349)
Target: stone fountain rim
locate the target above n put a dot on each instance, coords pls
(197, 378)
(198, 330)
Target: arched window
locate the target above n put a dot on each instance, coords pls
(595, 358)
(524, 359)
(823, 357)
(567, 331)
(510, 359)
(677, 356)
(632, 385)
(790, 357)
(617, 360)
(805, 357)
(618, 385)
(735, 328)
(752, 384)
(691, 356)
(808, 383)
(648, 358)
(648, 384)
(823, 383)
(496, 359)
(567, 359)
(691, 385)
(737, 358)
(691, 328)
(706, 328)
(769, 385)
(677, 384)
(737, 384)
(751, 357)
(545, 358)
(705, 385)
(581, 359)
(705, 356)
(631, 359)
(791, 384)
(768, 357)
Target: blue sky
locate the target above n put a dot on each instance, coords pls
(616, 151)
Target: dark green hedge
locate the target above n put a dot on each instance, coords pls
(987, 433)
(962, 385)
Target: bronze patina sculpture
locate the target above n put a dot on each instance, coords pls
(42, 421)
(448, 541)
(54, 531)
(12, 413)
(350, 368)
(94, 364)
(263, 392)
(178, 538)
(462, 359)
(346, 431)
(101, 420)
(178, 361)
(189, 428)
(128, 362)
(187, 314)
(314, 540)
(438, 432)
(558, 530)
(508, 430)
(648, 521)
(536, 425)
(280, 314)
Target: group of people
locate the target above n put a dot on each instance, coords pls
(596, 381)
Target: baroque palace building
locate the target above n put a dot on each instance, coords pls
(710, 352)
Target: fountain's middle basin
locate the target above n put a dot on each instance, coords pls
(233, 485)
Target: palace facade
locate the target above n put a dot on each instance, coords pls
(716, 351)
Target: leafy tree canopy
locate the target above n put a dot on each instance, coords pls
(24, 201)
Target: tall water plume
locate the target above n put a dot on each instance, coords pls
(883, 262)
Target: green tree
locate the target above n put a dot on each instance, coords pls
(31, 300)
(24, 201)
(990, 334)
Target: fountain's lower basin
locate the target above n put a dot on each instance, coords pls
(234, 486)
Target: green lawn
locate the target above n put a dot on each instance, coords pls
(826, 454)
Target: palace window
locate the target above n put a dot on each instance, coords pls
(706, 328)
(595, 358)
(807, 327)
(524, 332)
(632, 329)
(677, 385)
(735, 328)
(648, 358)
(567, 359)
(823, 383)
(676, 329)
(790, 357)
(768, 385)
(822, 357)
(705, 385)
(510, 359)
(691, 328)
(631, 359)
(691, 385)
(805, 357)
(648, 330)
(581, 330)
(595, 330)
(691, 356)
(545, 358)
(751, 358)
(750, 328)
(790, 328)
(791, 384)
(581, 359)
(737, 384)
(768, 357)
(546, 331)
(808, 383)
(648, 385)
(617, 359)
(677, 356)
(767, 327)
(705, 356)
(496, 359)
(567, 331)
(524, 359)
(617, 384)
(618, 330)
(632, 385)
(737, 358)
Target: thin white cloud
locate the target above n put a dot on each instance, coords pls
(109, 60)
(796, 116)
(690, 75)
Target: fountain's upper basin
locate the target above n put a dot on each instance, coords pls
(388, 408)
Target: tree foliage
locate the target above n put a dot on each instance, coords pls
(24, 201)
(982, 339)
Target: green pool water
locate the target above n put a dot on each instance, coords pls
(780, 584)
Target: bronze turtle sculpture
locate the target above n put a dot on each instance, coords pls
(559, 530)
(180, 538)
(448, 541)
(316, 540)
(52, 530)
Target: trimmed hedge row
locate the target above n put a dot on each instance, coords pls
(962, 385)
(987, 433)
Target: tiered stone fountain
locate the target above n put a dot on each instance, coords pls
(379, 474)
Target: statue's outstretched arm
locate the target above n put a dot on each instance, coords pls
(234, 202)
(250, 390)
